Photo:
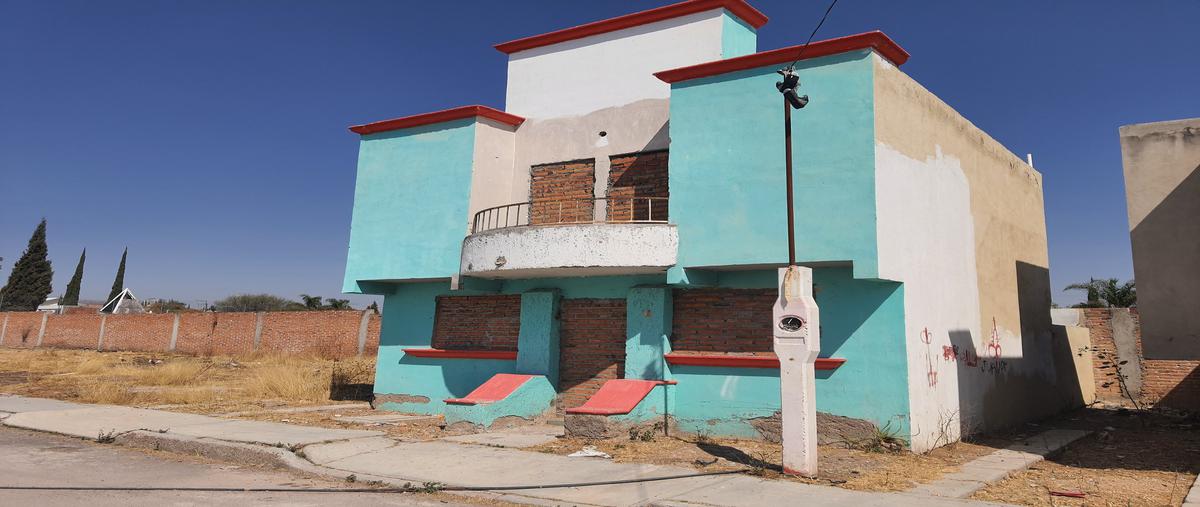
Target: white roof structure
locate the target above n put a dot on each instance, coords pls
(124, 303)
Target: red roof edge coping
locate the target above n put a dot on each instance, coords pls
(618, 396)
(507, 355)
(738, 361)
(495, 389)
(876, 40)
(457, 113)
(738, 8)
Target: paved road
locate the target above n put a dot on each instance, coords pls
(38, 459)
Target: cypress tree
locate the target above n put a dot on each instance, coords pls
(29, 282)
(71, 298)
(119, 283)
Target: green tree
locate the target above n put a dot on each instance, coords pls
(71, 298)
(255, 303)
(29, 282)
(165, 306)
(311, 302)
(119, 282)
(338, 304)
(1107, 293)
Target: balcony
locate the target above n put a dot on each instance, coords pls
(571, 237)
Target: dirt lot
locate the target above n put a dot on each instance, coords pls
(1131, 459)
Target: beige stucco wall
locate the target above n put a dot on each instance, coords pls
(1023, 369)
(1162, 190)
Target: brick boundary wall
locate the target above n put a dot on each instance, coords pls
(490, 322)
(723, 320)
(638, 175)
(330, 334)
(591, 348)
(1167, 383)
(573, 183)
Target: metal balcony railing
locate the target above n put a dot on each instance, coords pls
(589, 210)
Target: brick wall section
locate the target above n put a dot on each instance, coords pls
(1171, 383)
(373, 327)
(632, 177)
(573, 183)
(591, 348)
(144, 333)
(477, 322)
(72, 331)
(329, 333)
(216, 333)
(333, 334)
(22, 329)
(723, 320)
(1104, 352)
(1168, 383)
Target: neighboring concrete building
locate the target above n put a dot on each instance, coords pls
(606, 247)
(1162, 190)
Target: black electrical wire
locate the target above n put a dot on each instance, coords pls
(365, 490)
(813, 34)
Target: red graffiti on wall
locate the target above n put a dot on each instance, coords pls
(993, 346)
(931, 374)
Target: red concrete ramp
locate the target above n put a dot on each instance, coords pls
(617, 397)
(495, 389)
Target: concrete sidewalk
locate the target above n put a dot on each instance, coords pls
(369, 455)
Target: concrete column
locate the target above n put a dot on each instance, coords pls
(42, 330)
(363, 325)
(648, 312)
(174, 334)
(100, 340)
(797, 330)
(537, 343)
(3, 329)
(258, 327)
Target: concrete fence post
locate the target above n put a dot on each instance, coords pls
(4, 329)
(363, 324)
(258, 328)
(100, 341)
(42, 330)
(174, 333)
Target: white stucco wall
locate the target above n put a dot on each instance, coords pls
(927, 240)
(611, 69)
(492, 171)
(570, 250)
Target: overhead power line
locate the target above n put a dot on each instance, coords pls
(813, 34)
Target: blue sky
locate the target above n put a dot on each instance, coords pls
(210, 136)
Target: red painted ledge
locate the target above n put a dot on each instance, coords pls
(495, 389)
(507, 355)
(871, 40)
(735, 361)
(619, 396)
(738, 8)
(457, 113)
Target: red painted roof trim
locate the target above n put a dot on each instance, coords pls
(738, 8)
(507, 355)
(735, 361)
(457, 113)
(876, 40)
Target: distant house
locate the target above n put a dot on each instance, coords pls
(51, 305)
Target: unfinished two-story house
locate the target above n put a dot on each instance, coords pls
(604, 249)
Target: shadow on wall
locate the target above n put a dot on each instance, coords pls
(1166, 245)
(1185, 395)
(998, 389)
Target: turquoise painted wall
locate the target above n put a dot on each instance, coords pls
(862, 321)
(727, 167)
(737, 38)
(410, 203)
(408, 315)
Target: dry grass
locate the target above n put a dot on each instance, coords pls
(195, 384)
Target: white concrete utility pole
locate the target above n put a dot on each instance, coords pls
(797, 343)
